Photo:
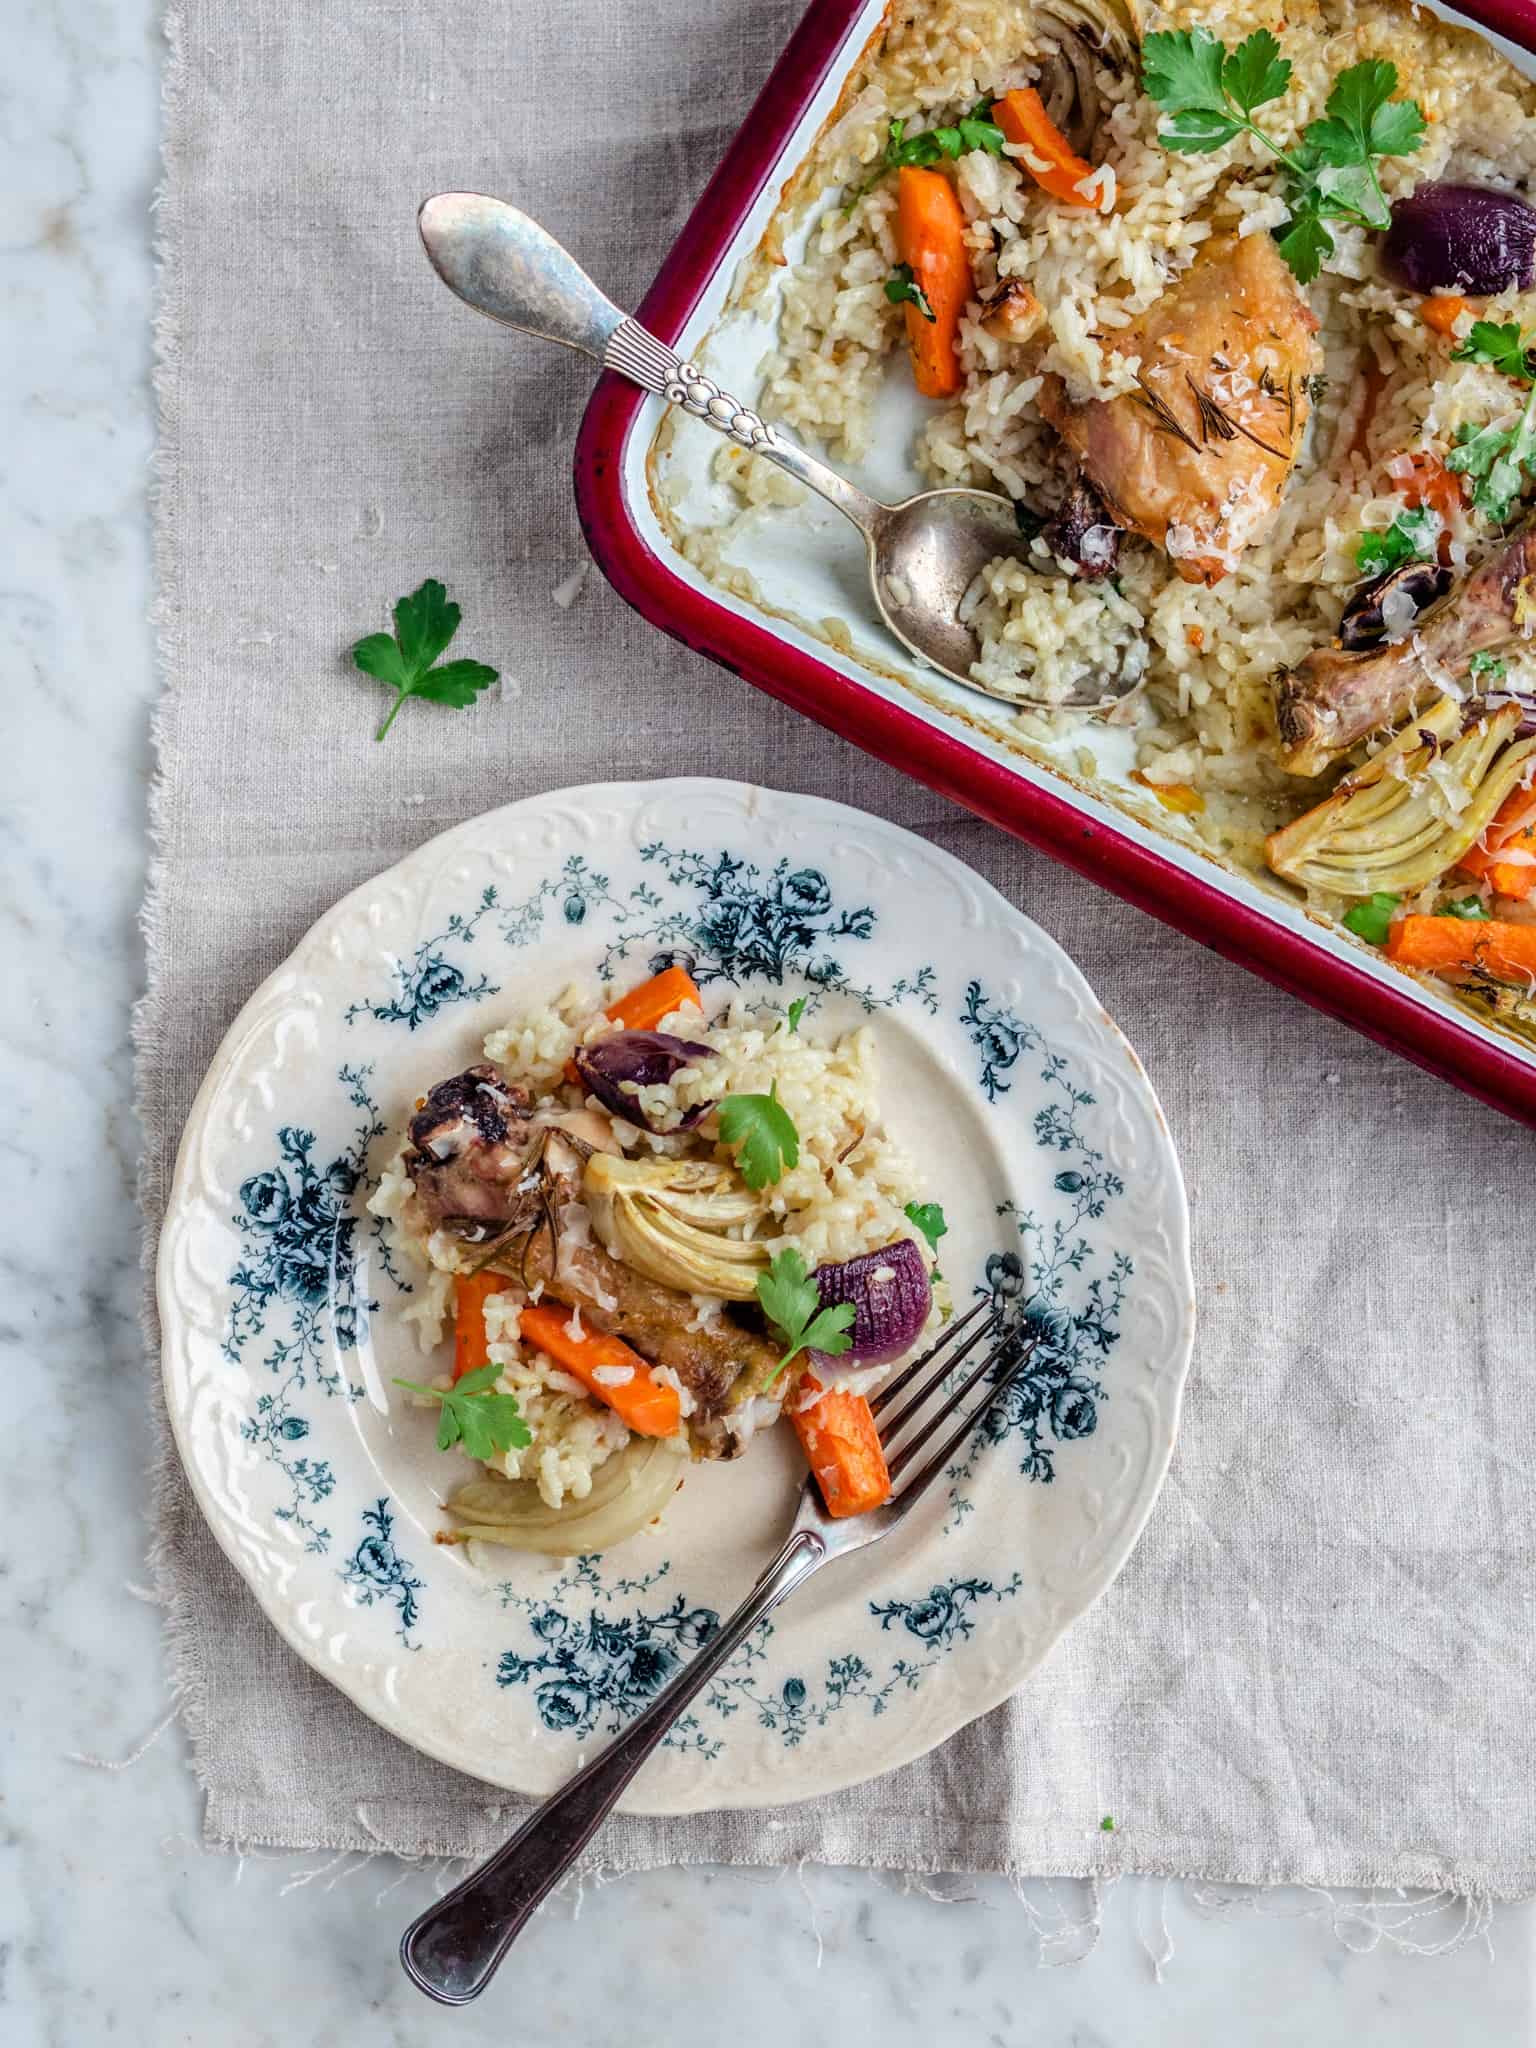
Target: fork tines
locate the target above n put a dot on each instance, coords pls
(1006, 1356)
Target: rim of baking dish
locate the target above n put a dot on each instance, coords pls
(1388, 1011)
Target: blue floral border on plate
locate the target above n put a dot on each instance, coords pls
(728, 922)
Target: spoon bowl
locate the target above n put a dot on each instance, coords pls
(925, 554)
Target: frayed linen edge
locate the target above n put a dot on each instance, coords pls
(225, 1830)
(1360, 1924)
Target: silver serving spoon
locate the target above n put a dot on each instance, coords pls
(924, 553)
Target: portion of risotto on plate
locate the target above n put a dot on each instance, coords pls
(1236, 303)
(653, 1235)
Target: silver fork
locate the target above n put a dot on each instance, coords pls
(454, 1949)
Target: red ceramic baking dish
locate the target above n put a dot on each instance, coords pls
(860, 695)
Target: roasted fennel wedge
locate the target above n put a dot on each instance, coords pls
(669, 1218)
(628, 1490)
(1409, 813)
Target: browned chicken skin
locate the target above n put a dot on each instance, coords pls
(1332, 699)
(1196, 459)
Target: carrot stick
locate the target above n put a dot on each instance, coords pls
(650, 1407)
(930, 232)
(1374, 379)
(1512, 878)
(1513, 832)
(471, 1291)
(1455, 945)
(842, 1448)
(1441, 312)
(644, 1007)
(1022, 117)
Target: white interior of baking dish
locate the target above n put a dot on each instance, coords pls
(808, 567)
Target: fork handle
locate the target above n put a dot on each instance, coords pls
(454, 1949)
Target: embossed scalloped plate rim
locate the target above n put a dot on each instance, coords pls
(1071, 1538)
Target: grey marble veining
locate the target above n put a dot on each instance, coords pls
(114, 1923)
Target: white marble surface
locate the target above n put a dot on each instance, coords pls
(114, 1923)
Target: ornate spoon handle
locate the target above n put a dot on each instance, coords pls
(454, 1949)
(506, 266)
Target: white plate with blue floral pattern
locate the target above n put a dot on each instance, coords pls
(1032, 1123)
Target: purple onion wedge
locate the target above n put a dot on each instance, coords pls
(1461, 238)
(643, 1059)
(891, 1298)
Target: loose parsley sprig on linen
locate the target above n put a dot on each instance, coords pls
(1412, 537)
(425, 622)
(1210, 95)
(763, 1132)
(484, 1422)
(791, 1301)
(1497, 458)
(901, 287)
(975, 130)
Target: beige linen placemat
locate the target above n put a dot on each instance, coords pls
(1317, 1666)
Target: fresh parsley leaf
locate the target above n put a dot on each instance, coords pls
(485, 1422)
(1410, 538)
(1487, 667)
(1498, 459)
(1107, 1824)
(1501, 346)
(1470, 908)
(1361, 107)
(791, 1301)
(975, 130)
(928, 1217)
(901, 286)
(1351, 192)
(1304, 243)
(1255, 73)
(979, 131)
(1196, 131)
(767, 1143)
(1210, 95)
(1372, 919)
(1183, 68)
(1479, 453)
(1207, 91)
(1334, 165)
(425, 622)
(1397, 129)
(795, 1012)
